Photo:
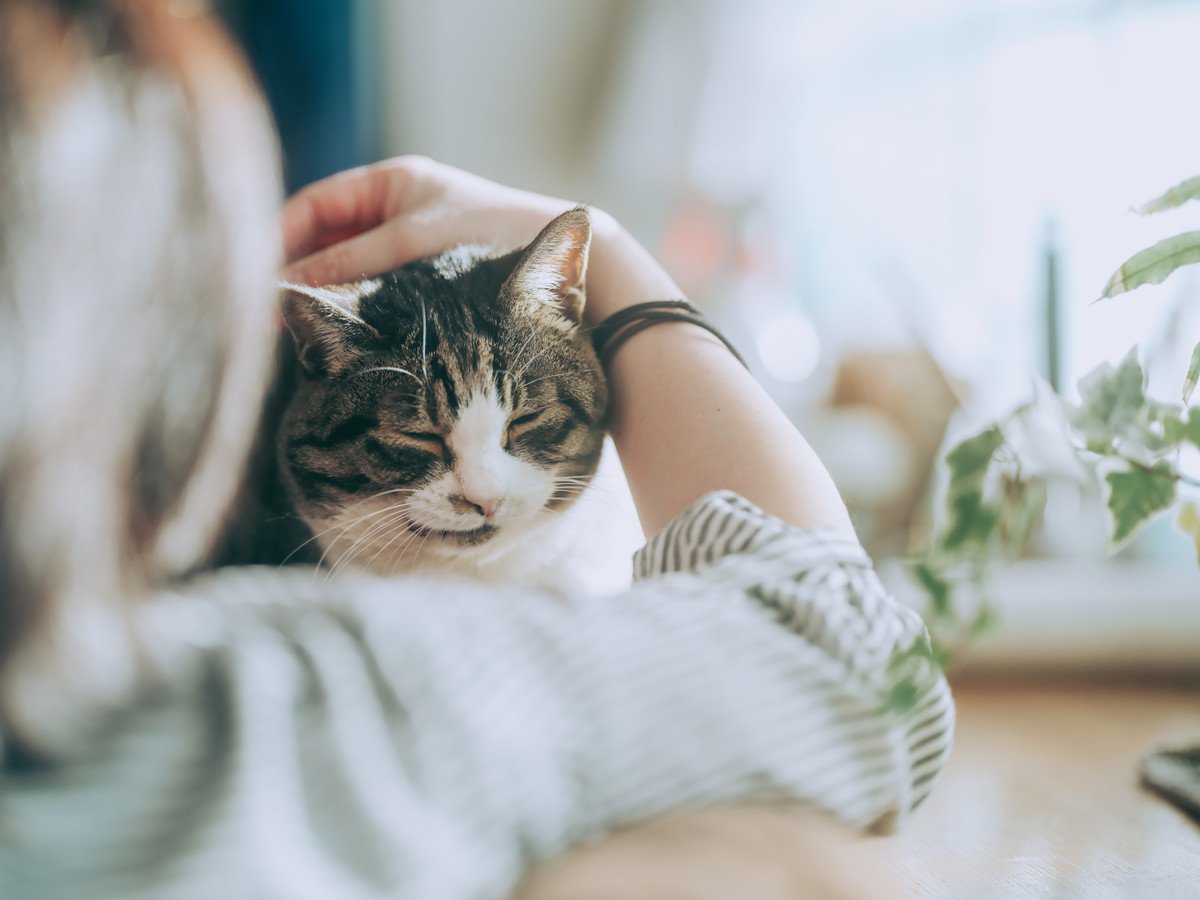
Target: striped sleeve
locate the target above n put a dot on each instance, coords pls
(820, 584)
(360, 738)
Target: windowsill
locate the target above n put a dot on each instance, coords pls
(1078, 614)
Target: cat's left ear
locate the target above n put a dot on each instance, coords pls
(325, 323)
(553, 269)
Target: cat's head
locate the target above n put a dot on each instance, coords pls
(447, 404)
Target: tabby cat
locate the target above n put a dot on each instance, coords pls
(449, 416)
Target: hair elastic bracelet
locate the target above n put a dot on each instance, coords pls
(614, 331)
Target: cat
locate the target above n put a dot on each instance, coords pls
(449, 417)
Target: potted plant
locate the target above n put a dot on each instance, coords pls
(1117, 438)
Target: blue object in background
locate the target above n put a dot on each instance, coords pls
(318, 65)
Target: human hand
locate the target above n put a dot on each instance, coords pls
(376, 218)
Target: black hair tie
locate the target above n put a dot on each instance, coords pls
(614, 331)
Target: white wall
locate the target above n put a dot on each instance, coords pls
(588, 100)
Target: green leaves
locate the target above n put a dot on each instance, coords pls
(970, 519)
(1136, 495)
(1153, 265)
(969, 460)
(982, 495)
(1193, 375)
(1116, 418)
(1117, 437)
(936, 586)
(1112, 400)
(1176, 196)
(996, 492)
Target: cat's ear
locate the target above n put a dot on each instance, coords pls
(553, 269)
(325, 323)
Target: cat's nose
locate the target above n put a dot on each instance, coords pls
(485, 506)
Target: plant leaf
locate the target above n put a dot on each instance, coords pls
(1176, 196)
(1134, 496)
(1193, 375)
(1164, 427)
(1175, 430)
(1189, 524)
(936, 587)
(969, 460)
(1111, 401)
(1193, 426)
(970, 519)
(1154, 264)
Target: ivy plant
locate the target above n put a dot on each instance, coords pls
(1116, 439)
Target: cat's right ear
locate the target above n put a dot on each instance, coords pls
(552, 270)
(325, 323)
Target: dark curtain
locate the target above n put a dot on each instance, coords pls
(318, 65)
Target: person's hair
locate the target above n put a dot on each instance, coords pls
(138, 189)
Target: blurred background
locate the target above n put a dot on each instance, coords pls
(899, 211)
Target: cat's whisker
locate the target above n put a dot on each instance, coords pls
(572, 487)
(424, 339)
(370, 534)
(389, 532)
(517, 355)
(566, 494)
(379, 531)
(341, 529)
(396, 369)
(525, 368)
(588, 330)
(416, 556)
(343, 526)
(570, 491)
(391, 537)
(404, 543)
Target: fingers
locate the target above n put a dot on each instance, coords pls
(367, 254)
(342, 205)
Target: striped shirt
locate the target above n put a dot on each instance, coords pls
(365, 738)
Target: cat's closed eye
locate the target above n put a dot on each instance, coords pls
(428, 441)
(522, 424)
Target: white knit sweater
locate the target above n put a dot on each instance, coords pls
(429, 739)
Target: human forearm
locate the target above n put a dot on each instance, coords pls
(687, 419)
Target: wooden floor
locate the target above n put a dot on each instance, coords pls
(1040, 800)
